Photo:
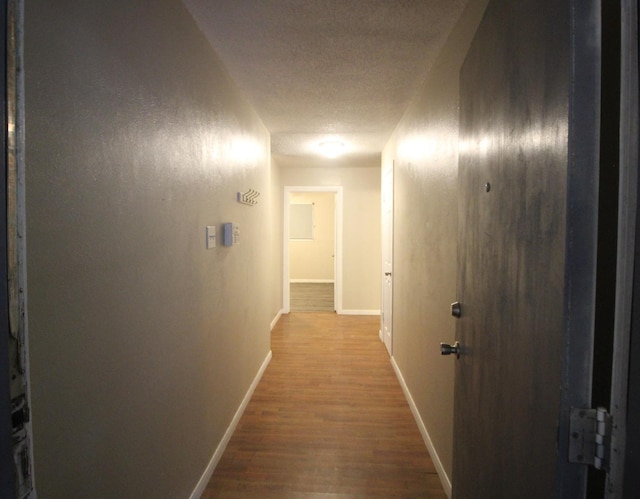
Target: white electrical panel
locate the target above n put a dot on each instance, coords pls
(230, 234)
(211, 236)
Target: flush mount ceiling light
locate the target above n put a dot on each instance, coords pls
(332, 148)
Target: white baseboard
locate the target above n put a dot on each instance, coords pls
(444, 478)
(360, 312)
(276, 319)
(313, 281)
(208, 472)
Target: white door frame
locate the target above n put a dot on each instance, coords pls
(337, 263)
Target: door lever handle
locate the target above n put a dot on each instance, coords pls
(446, 349)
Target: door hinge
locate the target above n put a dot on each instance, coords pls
(590, 437)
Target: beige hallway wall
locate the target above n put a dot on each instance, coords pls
(425, 150)
(143, 343)
(276, 242)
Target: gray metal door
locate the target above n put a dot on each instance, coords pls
(511, 251)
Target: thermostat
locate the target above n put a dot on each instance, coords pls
(230, 234)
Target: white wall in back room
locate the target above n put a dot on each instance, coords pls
(312, 260)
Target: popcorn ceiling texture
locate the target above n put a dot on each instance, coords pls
(312, 69)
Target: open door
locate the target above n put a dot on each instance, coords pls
(536, 140)
(512, 201)
(526, 248)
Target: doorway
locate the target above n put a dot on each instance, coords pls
(312, 249)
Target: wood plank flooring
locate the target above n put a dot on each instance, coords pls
(327, 420)
(311, 297)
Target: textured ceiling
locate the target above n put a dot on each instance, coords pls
(318, 69)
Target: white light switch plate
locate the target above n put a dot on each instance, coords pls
(211, 236)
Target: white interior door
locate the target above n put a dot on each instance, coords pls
(387, 256)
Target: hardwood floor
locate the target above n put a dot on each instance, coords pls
(311, 297)
(327, 420)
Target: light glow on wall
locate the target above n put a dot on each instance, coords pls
(243, 150)
(232, 150)
(417, 148)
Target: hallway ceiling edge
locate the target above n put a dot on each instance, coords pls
(328, 69)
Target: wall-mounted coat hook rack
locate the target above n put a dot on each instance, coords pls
(249, 197)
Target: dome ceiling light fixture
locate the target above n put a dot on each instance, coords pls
(332, 148)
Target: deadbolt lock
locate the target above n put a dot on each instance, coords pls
(456, 309)
(446, 349)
